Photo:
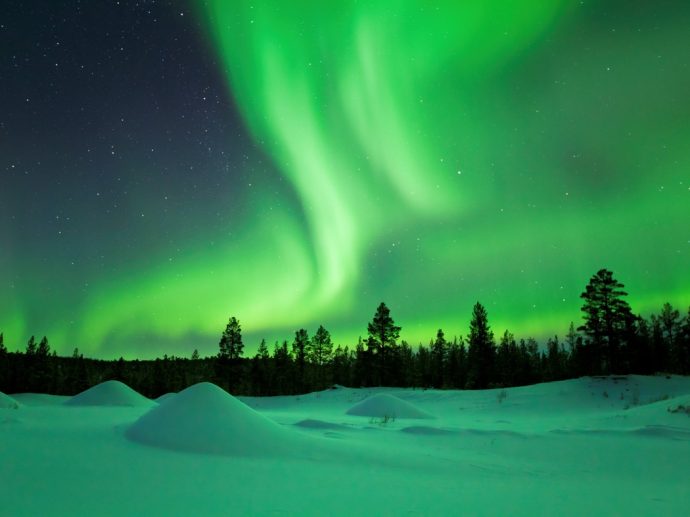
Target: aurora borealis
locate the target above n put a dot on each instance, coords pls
(164, 165)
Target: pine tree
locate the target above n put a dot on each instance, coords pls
(261, 378)
(299, 350)
(231, 346)
(457, 364)
(320, 347)
(555, 361)
(685, 345)
(31, 346)
(195, 355)
(43, 349)
(671, 329)
(4, 365)
(229, 366)
(319, 351)
(283, 369)
(481, 353)
(342, 366)
(606, 316)
(438, 350)
(383, 334)
(506, 360)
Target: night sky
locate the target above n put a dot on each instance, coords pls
(165, 165)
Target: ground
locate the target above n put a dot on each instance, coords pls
(590, 446)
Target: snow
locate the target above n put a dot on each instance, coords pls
(205, 419)
(110, 393)
(7, 402)
(164, 397)
(385, 406)
(590, 446)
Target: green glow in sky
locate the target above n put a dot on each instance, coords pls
(438, 153)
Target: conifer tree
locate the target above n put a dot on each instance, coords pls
(685, 345)
(506, 360)
(482, 349)
(31, 346)
(320, 348)
(283, 369)
(299, 350)
(229, 366)
(383, 334)
(319, 351)
(438, 351)
(606, 316)
(4, 365)
(342, 366)
(43, 349)
(457, 364)
(231, 346)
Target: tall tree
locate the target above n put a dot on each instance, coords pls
(606, 316)
(299, 350)
(319, 352)
(457, 364)
(31, 346)
(4, 365)
(320, 348)
(685, 344)
(506, 360)
(439, 352)
(482, 349)
(283, 382)
(383, 333)
(231, 346)
(671, 333)
(229, 354)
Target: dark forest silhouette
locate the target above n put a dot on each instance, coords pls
(612, 340)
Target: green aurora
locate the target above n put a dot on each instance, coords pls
(434, 154)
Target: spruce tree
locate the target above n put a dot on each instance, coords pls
(506, 360)
(299, 351)
(685, 345)
(319, 351)
(439, 351)
(320, 348)
(482, 349)
(229, 367)
(31, 346)
(383, 334)
(230, 345)
(606, 316)
(43, 349)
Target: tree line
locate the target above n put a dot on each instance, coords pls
(611, 340)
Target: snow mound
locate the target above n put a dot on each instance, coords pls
(7, 402)
(384, 405)
(205, 419)
(164, 397)
(110, 393)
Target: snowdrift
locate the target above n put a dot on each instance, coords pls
(205, 419)
(384, 405)
(7, 402)
(110, 393)
(164, 397)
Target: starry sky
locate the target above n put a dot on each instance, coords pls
(167, 164)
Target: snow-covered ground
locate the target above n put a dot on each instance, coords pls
(582, 447)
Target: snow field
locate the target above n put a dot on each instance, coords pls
(581, 447)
